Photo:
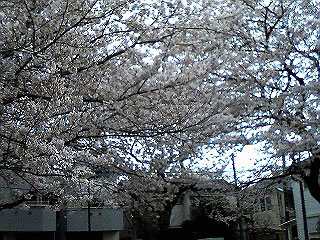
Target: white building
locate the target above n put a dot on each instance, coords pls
(312, 212)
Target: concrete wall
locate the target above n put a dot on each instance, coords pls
(176, 218)
(27, 220)
(101, 220)
(113, 235)
(181, 212)
(43, 220)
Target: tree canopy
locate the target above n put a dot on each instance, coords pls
(91, 83)
(115, 86)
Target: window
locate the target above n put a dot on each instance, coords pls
(318, 225)
(268, 202)
(255, 206)
(262, 205)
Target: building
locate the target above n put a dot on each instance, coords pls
(42, 223)
(204, 214)
(272, 213)
(286, 211)
(39, 222)
(307, 212)
(38, 219)
(307, 209)
(181, 212)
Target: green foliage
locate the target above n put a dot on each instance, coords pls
(215, 206)
(145, 222)
(211, 216)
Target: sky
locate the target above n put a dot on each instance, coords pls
(245, 160)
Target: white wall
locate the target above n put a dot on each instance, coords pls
(114, 235)
(181, 212)
(312, 210)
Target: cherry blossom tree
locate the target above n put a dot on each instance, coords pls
(83, 81)
(275, 72)
(155, 185)
(86, 85)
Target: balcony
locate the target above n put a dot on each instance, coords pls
(27, 220)
(40, 219)
(101, 219)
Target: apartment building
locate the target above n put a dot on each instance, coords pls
(307, 212)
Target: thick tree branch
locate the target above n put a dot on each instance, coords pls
(312, 180)
(16, 202)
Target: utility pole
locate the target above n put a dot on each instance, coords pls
(284, 163)
(89, 206)
(284, 217)
(237, 196)
(304, 215)
(89, 216)
(303, 208)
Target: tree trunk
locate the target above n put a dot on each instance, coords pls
(61, 232)
(312, 180)
(164, 223)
